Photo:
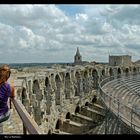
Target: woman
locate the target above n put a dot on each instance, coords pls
(6, 91)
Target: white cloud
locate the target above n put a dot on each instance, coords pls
(81, 17)
(45, 33)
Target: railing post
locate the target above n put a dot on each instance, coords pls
(118, 101)
(106, 120)
(131, 118)
(118, 113)
(110, 100)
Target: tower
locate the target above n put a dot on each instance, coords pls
(77, 57)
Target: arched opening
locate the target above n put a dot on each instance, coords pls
(77, 84)
(87, 104)
(119, 71)
(39, 96)
(37, 91)
(49, 132)
(47, 87)
(47, 82)
(103, 72)
(47, 94)
(77, 110)
(24, 97)
(126, 71)
(110, 72)
(67, 86)
(68, 115)
(95, 79)
(134, 70)
(36, 88)
(18, 93)
(57, 92)
(94, 99)
(58, 124)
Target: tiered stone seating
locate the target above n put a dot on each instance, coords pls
(127, 90)
(88, 118)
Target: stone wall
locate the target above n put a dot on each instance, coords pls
(50, 94)
(124, 60)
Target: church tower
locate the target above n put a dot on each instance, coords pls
(77, 57)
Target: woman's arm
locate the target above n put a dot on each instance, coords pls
(12, 94)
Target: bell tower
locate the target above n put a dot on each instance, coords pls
(77, 57)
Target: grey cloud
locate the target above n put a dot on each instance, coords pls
(45, 33)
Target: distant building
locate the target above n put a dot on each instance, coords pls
(77, 57)
(122, 60)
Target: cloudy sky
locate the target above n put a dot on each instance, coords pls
(52, 33)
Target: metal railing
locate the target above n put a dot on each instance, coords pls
(29, 125)
(124, 112)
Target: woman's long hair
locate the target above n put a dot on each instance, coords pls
(4, 73)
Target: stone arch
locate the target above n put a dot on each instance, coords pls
(47, 82)
(119, 71)
(47, 94)
(58, 87)
(37, 91)
(77, 84)
(36, 108)
(134, 70)
(18, 93)
(47, 87)
(23, 96)
(68, 115)
(36, 87)
(110, 72)
(95, 78)
(103, 72)
(58, 124)
(67, 86)
(87, 104)
(94, 99)
(77, 109)
(127, 71)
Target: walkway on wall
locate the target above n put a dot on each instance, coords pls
(20, 121)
